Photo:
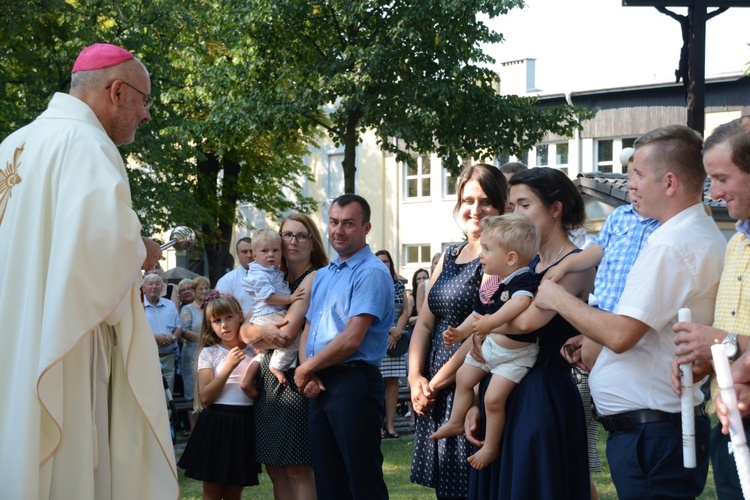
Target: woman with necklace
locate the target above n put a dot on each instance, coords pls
(543, 451)
(481, 192)
(282, 439)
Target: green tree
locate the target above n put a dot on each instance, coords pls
(202, 152)
(413, 71)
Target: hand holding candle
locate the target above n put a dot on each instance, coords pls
(736, 430)
(688, 405)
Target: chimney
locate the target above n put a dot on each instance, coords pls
(518, 77)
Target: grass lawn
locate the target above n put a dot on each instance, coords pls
(396, 467)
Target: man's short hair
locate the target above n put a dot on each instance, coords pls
(677, 149)
(246, 239)
(513, 167)
(513, 232)
(737, 134)
(346, 199)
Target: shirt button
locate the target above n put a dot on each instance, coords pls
(732, 313)
(739, 278)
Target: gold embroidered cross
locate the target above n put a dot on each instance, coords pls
(9, 178)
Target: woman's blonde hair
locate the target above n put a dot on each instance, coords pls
(200, 280)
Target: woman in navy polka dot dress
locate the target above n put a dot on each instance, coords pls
(481, 192)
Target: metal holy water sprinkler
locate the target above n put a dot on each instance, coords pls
(181, 238)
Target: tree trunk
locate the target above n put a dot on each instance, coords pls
(351, 139)
(217, 230)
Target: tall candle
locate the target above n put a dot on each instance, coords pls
(736, 431)
(688, 405)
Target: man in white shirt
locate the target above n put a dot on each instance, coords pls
(232, 281)
(680, 266)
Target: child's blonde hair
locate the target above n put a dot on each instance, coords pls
(266, 235)
(513, 232)
(216, 304)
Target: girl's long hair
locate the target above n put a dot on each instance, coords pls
(216, 304)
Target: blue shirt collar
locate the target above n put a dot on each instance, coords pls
(352, 261)
(743, 226)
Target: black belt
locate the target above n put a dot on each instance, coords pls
(623, 422)
(343, 367)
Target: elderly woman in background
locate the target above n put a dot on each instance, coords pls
(191, 318)
(481, 192)
(543, 450)
(281, 425)
(393, 367)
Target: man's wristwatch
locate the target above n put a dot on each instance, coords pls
(730, 344)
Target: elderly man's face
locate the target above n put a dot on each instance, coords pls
(152, 289)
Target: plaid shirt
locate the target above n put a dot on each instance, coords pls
(622, 237)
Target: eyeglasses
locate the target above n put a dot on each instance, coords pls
(147, 99)
(300, 237)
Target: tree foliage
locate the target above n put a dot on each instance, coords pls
(413, 71)
(202, 152)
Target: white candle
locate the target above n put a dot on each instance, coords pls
(736, 431)
(688, 405)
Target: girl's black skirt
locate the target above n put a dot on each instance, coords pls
(221, 448)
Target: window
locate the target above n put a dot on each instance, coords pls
(604, 158)
(418, 178)
(627, 143)
(542, 155)
(502, 159)
(554, 154)
(418, 255)
(449, 183)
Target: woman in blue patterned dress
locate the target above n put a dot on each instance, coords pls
(393, 367)
(481, 192)
(282, 439)
(543, 451)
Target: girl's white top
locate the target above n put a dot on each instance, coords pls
(214, 357)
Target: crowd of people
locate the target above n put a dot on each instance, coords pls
(515, 344)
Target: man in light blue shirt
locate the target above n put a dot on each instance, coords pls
(345, 337)
(165, 323)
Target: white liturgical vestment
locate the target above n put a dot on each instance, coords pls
(83, 412)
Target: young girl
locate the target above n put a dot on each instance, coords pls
(221, 449)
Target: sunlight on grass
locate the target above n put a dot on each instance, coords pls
(396, 467)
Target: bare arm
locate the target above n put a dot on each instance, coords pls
(419, 350)
(619, 333)
(276, 299)
(533, 318)
(395, 333)
(447, 373)
(589, 258)
(420, 294)
(281, 334)
(210, 387)
(515, 306)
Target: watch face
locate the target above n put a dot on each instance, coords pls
(731, 349)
